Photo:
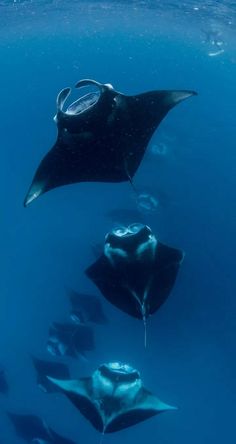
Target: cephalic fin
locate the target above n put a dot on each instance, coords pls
(61, 98)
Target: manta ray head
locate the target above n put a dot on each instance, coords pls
(135, 242)
(115, 384)
(118, 372)
(83, 104)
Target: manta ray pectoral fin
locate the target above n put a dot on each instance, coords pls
(156, 104)
(69, 386)
(175, 97)
(36, 189)
(58, 439)
(150, 403)
(160, 406)
(79, 393)
(148, 406)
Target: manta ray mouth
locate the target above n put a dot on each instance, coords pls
(128, 231)
(132, 235)
(89, 100)
(117, 371)
(83, 103)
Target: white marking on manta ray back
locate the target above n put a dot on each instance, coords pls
(149, 245)
(113, 253)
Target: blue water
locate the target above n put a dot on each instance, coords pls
(137, 46)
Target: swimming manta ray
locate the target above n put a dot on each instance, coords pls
(35, 430)
(86, 308)
(102, 136)
(69, 339)
(49, 368)
(136, 272)
(113, 398)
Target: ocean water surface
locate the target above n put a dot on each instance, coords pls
(188, 179)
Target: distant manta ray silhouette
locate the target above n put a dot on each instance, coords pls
(102, 136)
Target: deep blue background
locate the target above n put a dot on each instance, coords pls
(190, 359)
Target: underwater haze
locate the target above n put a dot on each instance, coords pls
(184, 189)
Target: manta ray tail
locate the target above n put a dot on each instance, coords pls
(130, 179)
(145, 332)
(102, 436)
(133, 187)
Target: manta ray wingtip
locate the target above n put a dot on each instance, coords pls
(28, 200)
(193, 93)
(53, 380)
(171, 407)
(65, 385)
(178, 96)
(34, 192)
(62, 384)
(163, 407)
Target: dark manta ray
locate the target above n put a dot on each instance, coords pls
(102, 136)
(113, 398)
(35, 430)
(70, 339)
(86, 308)
(136, 272)
(49, 368)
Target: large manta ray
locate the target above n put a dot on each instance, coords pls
(113, 398)
(136, 272)
(102, 136)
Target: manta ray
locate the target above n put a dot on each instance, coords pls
(34, 430)
(113, 398)
(49, 368)
(69, 339)
(135, 272)
(86, 308)
(102, 136)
